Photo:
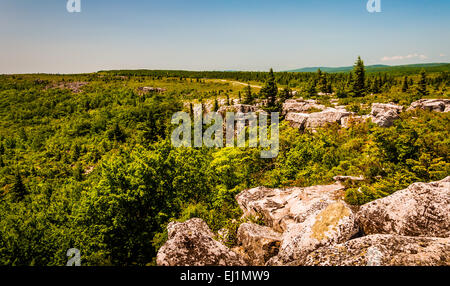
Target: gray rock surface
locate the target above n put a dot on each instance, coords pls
(259, 242)
(437, 105)
(280, 207)
(384, 114)
(335, 224)
(422, 209)
(192, 244)
(384, 250)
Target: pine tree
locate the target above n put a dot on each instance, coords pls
(375, 88)
(322, 79)
(405, 86)
(285, 94)
(349, 81)
(422, 84)
(117, 134)
(270, 90)
(76, 151)
(248, 97)
(312, 90)
(359, 80)
(18, 189)
(216, 105)
(78, 173)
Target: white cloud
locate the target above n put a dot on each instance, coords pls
(399, 58)
(442, 55)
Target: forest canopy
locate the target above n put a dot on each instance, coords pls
(86, 160)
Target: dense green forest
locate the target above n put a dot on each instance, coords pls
(86, 160)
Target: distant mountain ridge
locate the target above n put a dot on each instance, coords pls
(431, 67)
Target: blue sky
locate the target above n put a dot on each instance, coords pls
(41, 36)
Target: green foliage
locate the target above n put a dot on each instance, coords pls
(270, 91)
(359, 80)
(94, 168)
(18, 189)
(422, 84)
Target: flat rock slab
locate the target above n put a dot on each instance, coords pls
(384, 250)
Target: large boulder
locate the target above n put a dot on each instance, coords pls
(280, 207)
(301, 106)
(297, 120)
(238, 108)
(437, 105)
(192, 244)
(328, 116)
(334, 224)
(384, 114)
(384, 250)
(259, 242)
(317, 119)
(422, 209)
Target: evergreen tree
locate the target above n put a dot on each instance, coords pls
(248, 96)
(312, 90)
(322, 79)
(216, 105)
(78, 173)
(18, 188)
(405, 86)
(349, 81)
(359, 81)
(422, 84)
(270, 90)
(375, 88)
(285, 94)
(76, 151)
(329, 88)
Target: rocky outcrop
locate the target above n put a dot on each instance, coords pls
(330, 115)
(422, 209)
(334, 224)
(260, 243)
(241, 108)
(313, 226)
(317, 119)
(280, 207)
(384, 250)
(384, 114)
(297, 120)
(191, 244)
(301, 106)
(437, 105)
